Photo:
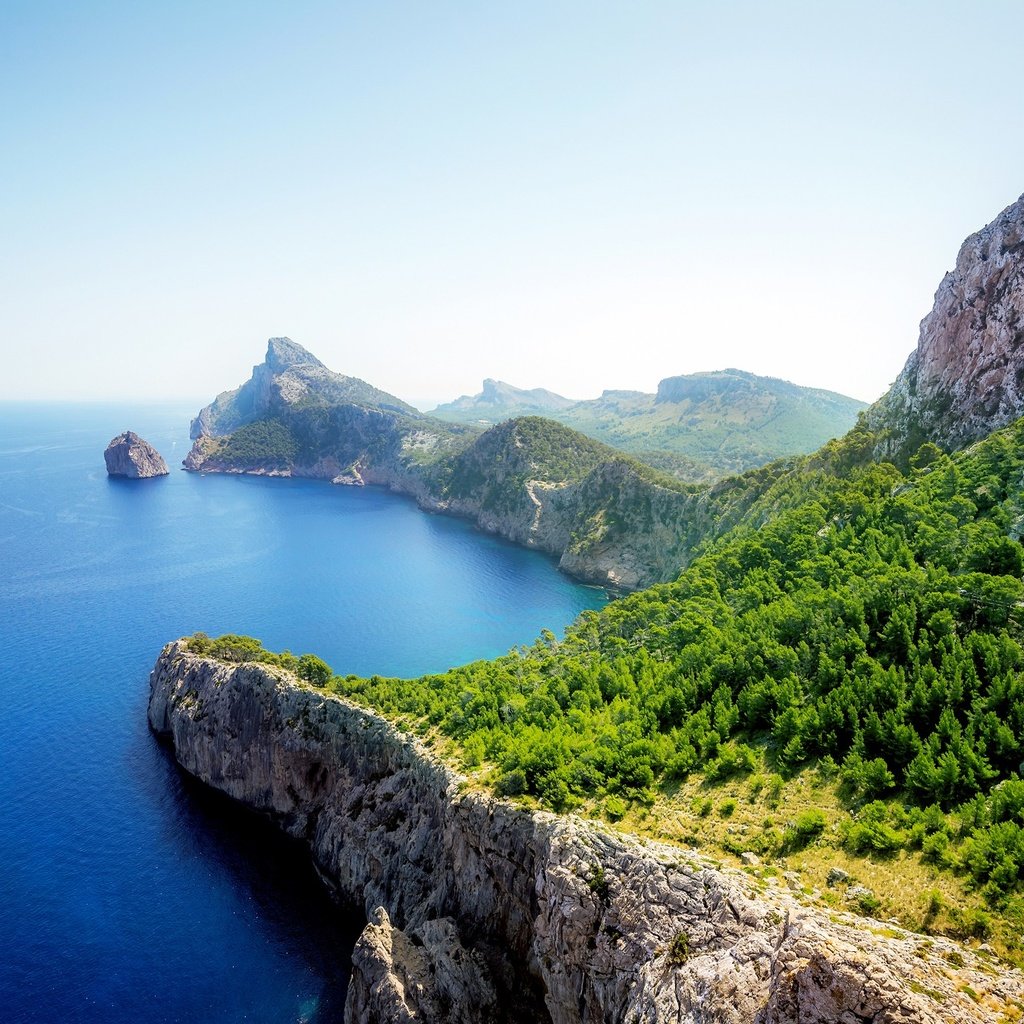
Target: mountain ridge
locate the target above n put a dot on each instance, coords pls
(698, 427)
(291, 374)
(607, 517)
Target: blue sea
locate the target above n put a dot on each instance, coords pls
(128, 892)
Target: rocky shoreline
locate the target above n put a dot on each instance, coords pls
(481, 911)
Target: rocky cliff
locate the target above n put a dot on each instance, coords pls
(130, 456)
(288, 376)
(966, 377)
(480, 911)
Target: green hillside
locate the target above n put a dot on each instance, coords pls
(698, 428)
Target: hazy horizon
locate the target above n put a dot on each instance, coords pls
(556, 195)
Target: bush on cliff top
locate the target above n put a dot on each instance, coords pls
(238, 649)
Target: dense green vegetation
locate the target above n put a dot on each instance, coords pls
(239, 649)
(268, 443)
(860, 620)
(496, 466)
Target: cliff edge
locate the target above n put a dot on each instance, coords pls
(481, 911)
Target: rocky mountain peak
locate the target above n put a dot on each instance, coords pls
(284, 354)
(966, 377)
(699, 387)
(288, 378)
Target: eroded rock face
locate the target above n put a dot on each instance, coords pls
(966, 377)
(480, 911)
(425, 976)
(129, 455)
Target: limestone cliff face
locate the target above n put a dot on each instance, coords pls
(479, 911)
(130, 456)
(966, 377)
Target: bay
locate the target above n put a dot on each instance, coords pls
(128, 892)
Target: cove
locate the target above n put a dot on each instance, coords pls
(128, 892)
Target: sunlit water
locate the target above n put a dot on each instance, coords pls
(128, 893)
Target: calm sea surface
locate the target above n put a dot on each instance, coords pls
(128, 893)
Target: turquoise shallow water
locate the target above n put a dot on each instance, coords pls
(127, 892)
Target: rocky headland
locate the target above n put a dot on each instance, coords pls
(478, 910)
(128, 455)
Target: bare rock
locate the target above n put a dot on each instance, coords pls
(426, 976)
(857, 892)
(130, 456)
(837, 876)
(966, 377)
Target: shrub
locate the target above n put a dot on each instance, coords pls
(615, 807)
(314, 670)
(511, 783)
(679, 948)
(807, 827)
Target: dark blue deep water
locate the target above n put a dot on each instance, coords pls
(128, 893)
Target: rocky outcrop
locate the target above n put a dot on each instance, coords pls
(966, 377)
(130, 456)
(480, 911)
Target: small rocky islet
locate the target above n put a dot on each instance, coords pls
(133, 457)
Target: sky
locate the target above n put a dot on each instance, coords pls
(571, 195)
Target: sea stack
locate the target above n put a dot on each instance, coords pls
(130, 456)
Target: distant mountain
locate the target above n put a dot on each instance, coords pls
(289, 376)
(698, 427)
(500, 401)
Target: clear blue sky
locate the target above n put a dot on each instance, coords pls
(571, 195)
